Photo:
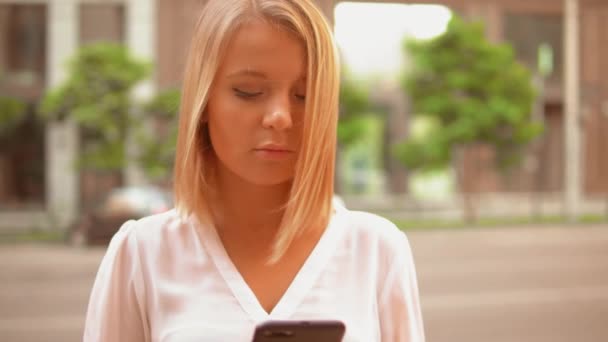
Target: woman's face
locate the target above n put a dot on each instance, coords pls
(256, 104)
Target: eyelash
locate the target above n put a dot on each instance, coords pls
(245, 94)
(250, 96)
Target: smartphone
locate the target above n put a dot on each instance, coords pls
(299, 331)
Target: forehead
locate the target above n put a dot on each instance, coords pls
(266, 49)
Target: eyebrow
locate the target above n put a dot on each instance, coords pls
(248, 72)
(254, 73)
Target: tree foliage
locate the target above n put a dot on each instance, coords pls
(354, 103)
(158, 142)
(473, 91)
(97, 96)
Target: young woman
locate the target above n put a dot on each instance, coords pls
(255, 235)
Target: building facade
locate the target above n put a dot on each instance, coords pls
(37, 38)
(39, 184)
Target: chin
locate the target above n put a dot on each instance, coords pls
(267, 177)
(269, 181)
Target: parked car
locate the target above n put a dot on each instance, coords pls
(97, 225)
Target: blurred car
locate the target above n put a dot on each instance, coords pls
(97, 225)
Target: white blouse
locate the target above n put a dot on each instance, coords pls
(167, 279)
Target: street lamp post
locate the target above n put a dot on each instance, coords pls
(572, 160)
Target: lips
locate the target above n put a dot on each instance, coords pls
(274, 148)
(273, 152)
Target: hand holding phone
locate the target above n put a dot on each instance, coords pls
(299, 331)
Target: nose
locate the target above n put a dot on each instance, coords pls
(278, 116)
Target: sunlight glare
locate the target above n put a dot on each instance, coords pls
(370, 35)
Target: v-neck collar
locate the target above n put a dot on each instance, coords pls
(297, 289)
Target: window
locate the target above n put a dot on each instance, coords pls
(529, 32)
(23, 44)
(22, 78)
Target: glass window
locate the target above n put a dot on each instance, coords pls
(530, 33)
(22, 79)
(22, 43)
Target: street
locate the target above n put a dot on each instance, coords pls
(514, 285)
(536, 284)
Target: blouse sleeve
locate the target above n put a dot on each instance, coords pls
(116, 310)
(399, 303)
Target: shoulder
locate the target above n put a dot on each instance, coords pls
(151, 232)
(159, 224)
(369, 222)
(374, 233)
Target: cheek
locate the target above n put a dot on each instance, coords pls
(223, 135)
(230, 125)
(298, 127)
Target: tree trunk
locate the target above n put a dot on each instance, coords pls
(469, 212)
(607, 206)
(538, 174)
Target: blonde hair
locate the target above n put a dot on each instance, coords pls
(310, 198)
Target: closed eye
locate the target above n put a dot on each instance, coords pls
(245, 94)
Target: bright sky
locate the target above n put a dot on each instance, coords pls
(370, 35)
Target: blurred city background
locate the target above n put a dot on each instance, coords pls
(479, 126)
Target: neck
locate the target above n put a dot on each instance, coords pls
(245, 208)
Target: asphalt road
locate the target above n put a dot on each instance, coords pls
(494, 285)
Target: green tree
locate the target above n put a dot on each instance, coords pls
(354, 105)
(158, 141)
(473, 92)
(97, 96)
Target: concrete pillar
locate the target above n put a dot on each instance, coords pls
(61, 138)
(141, 40)
(572, 125)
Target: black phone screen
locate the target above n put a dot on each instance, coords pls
(299, 331)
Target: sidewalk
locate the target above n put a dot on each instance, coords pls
(524, 284)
